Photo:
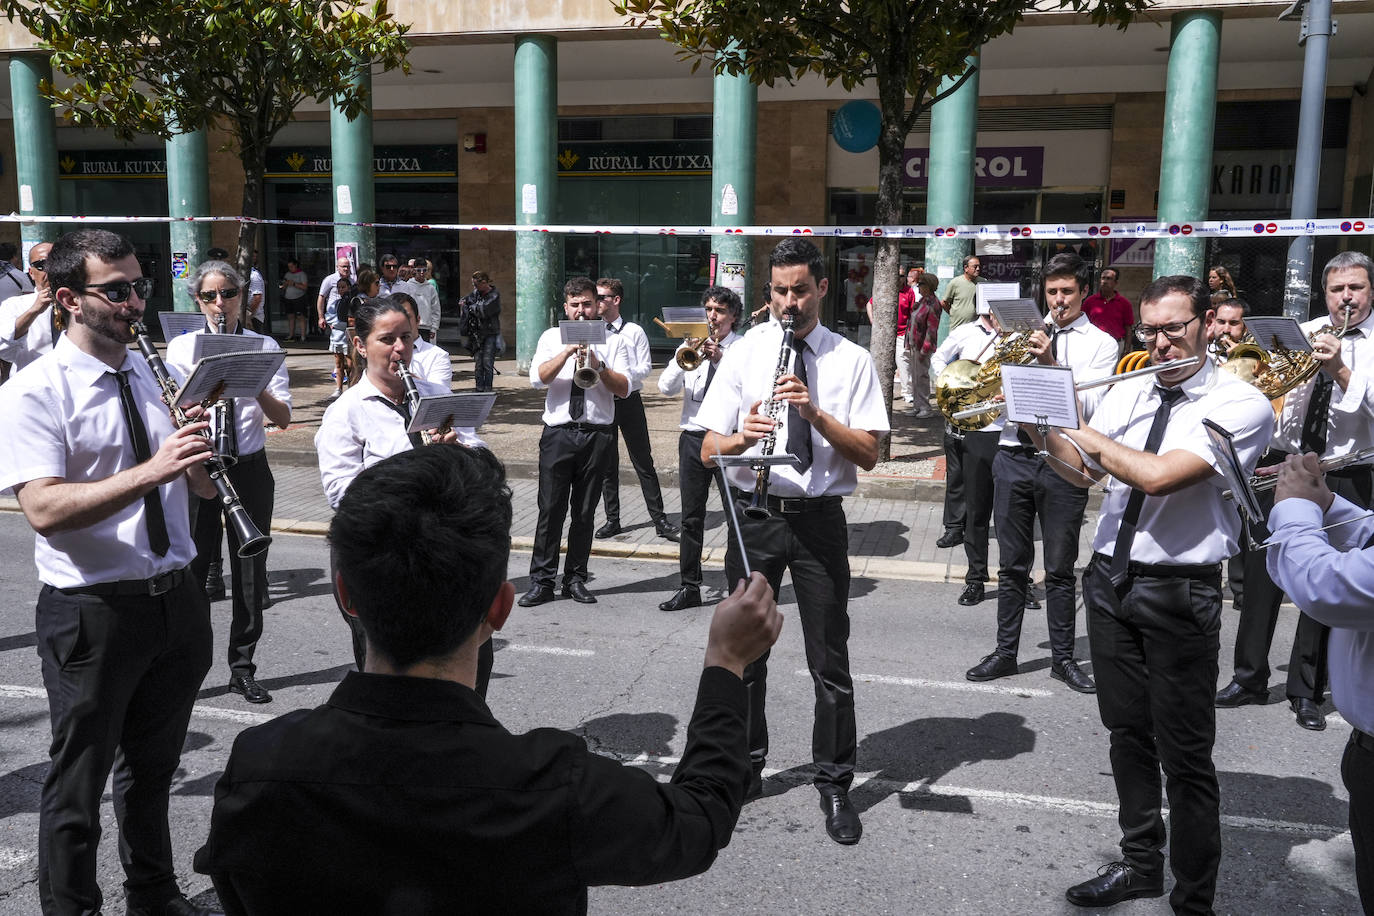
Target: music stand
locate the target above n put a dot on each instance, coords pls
(754, 463)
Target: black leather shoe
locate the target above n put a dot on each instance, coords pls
(577, 591)
(754, 789)
(991, 668)
(1114, 883)
(177, 906)
(1072, 675)
(972, 594)
(608, 530)
(1233, 695)
(247, 686)
(539, 594)
(951, 538)
(214, 582)
(666, 530)
(841, 820)
(685, 597)
(1032, 603)
(1309, 714)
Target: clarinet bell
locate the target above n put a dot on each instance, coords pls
(251, 541)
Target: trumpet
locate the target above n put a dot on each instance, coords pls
(584, 376)
(251, 541)
(1263, 483)
(772, 408)
(689, 357)
(413, 402)
(226, 435)
(996, 407)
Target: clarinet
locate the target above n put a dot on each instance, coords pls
(413, 402)
(772, 409)
(226, 436)
(251, 541)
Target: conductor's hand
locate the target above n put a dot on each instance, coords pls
(744, 626)
(183, 449)
(1300, 477)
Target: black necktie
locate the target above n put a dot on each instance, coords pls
(799, 430)
(1055, 336)
(577, 404)
(710, 374)
(1315, 423)
(1121, 556)
(403, 409)
(152, 500)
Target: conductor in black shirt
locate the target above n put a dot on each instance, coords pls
(403, 794)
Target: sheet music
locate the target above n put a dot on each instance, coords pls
(174, 324)
(467, 410)
(582, 332)
(1040, 394)
(244, 375)
(685, 314)
(1287, 330)
(1016, 314)
(215, 344)
(987, 293)
(1228, 463)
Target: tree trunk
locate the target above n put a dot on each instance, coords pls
(254, 157)
(887, 278)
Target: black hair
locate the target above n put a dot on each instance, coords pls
(366, 310)
(1068, 264)
(422, 542)
(793, 251)
(726, 297)
(1235, 304)
(8, 250)
(1192, 287)
(67, 259)
(615, 286)
(578, 285)
(963, 265)
(406, 301)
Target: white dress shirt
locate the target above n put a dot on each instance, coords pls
(249, 419)
(62, 418)
(426, 301)
(361, 428)
(1350, 424)
(693, 384)
(843, 383)
(636, 344)
(598, 402)
(1330, 575)
(1194, 525)
(968, 341)
(1086, 349)
(432, 363)
(257, 287)
(36, 341)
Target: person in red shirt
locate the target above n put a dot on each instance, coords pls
(921, 339)
(1107, 309)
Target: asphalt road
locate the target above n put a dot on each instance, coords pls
(989, 798)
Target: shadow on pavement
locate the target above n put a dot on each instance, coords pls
(629, 734)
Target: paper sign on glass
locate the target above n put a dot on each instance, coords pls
(582, 332)
(464, 411)
(1041, 395)
(230, 375)
(1017, 314)
(1286, 330)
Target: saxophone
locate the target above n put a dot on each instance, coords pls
(772, 409)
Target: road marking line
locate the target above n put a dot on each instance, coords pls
(243, 717)
(549, 650)
(945, 685)
(1107, 810)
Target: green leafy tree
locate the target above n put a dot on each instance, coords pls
(908, 48)
(163, 67)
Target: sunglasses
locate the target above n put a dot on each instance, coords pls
(390, 266)
(118, 290)
(208, 296)
(40, 264)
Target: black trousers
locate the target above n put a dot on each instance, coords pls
(572, 463)
(814, 546)
(121, 674)
(694, 481)
(1357, 771)
(1155, 643)
(1259, 613)
(630, 422)
(954, 482)
(1026, 487)
(979, 450)
(253, 481)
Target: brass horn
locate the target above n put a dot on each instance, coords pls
(965, 383)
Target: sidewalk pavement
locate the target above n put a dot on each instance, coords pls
(894, 516)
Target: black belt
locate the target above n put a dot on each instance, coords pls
(793, 505)
(587, 427)
(1363, 740)
(1028, 451)
(699, 433)
(157, 585)
(1165, 570)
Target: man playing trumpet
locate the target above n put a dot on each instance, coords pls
(575, 445)
(723, 311)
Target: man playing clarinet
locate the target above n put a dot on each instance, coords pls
(830, 414)
(1153, 592)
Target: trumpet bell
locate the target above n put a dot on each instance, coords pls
(962, 384)
(585, 377)
(688, 359)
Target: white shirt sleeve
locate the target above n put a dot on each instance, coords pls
(671, 379)
(544, 351)
(10, 349)
(340, 451)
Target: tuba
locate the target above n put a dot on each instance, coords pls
(966, 382)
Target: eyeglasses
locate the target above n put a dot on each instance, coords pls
(601, 298)
(40, 264)
(1146, 333)
(392, 265)
(118, 290)
(208, 296)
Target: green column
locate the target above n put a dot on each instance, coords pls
(734, 141)
(351, 147)
(537, 262)
(188, 194)
(35, 146)
(1190, 107)
(949, 178)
